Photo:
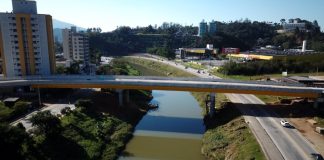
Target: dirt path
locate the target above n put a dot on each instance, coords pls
(308, 131)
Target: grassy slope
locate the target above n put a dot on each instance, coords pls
(227, 135)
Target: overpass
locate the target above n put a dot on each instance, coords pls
(165, 83)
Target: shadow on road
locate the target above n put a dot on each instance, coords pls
(295, 110)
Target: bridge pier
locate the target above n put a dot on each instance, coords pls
(127, 96)
(120, 97)
(210, 104)
(123, 96)
(318, 103)
(212, 109)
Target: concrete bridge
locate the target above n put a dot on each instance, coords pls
(164, 83)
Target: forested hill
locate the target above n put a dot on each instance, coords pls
(245, 35)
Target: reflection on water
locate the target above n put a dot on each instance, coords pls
(173, 131)
(171, 124)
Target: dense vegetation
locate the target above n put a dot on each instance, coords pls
(275, 66)
(242, 34)
(96, 129)
(10, 113)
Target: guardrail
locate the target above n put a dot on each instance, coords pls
(112, 77)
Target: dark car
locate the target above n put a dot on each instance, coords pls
(317, 156)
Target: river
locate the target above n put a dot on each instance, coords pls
(174, 131)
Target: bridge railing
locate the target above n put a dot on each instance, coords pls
(114, 77)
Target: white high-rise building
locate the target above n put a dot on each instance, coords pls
(26, 41)
(75, 45)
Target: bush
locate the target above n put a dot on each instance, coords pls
(47, 123)
(66, 110)
(84, 104)
(270, 67)
(20, 108)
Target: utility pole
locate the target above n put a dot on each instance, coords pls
(39, 97)
(38, 92)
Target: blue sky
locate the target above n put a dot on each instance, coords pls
(108, 14)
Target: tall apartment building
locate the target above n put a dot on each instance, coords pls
(26, 41)
(204, 28)
(75, 45)
(212, 27)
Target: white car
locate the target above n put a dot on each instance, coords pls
(285, 123)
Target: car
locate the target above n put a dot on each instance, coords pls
(316, 156)
(285, 123)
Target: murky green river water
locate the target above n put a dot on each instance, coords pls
(174, 131)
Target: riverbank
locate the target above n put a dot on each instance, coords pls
(227, 134)
(97, 129)
(103, 130)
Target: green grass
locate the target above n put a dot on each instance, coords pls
(229, 137)
(147, 67)
(320, 121)
(259, 77)
(96, 135)
(194, 65)
(5, 112)
(200, 97)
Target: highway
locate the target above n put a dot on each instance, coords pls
(276, 141)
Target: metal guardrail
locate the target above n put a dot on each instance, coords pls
(112, 77)
(183, 83)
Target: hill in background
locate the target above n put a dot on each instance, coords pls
(59, 25)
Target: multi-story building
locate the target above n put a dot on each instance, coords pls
(212, 27)
(75, 45)
(26, 41)
(203, 28)
(293, 25)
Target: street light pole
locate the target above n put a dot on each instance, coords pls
(39, 97)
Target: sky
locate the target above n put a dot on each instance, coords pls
(109, 14)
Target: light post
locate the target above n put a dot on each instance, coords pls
(38, 91)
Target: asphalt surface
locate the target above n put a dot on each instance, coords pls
(276, 141)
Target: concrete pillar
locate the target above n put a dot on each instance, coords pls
(120, 97)
(127, 96)
(318, 102)
(212, 109)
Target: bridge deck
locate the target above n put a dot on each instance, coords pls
(163, 83)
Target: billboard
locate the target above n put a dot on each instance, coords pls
(231, 50)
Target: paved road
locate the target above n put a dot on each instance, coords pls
(276, 141)
(53, 108)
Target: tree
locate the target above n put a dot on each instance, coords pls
(12, 141)
(47, 123)
(60, 70)
(74, 68)
(283, 21)
(20, 108)
(84, 104)
(104, 70)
